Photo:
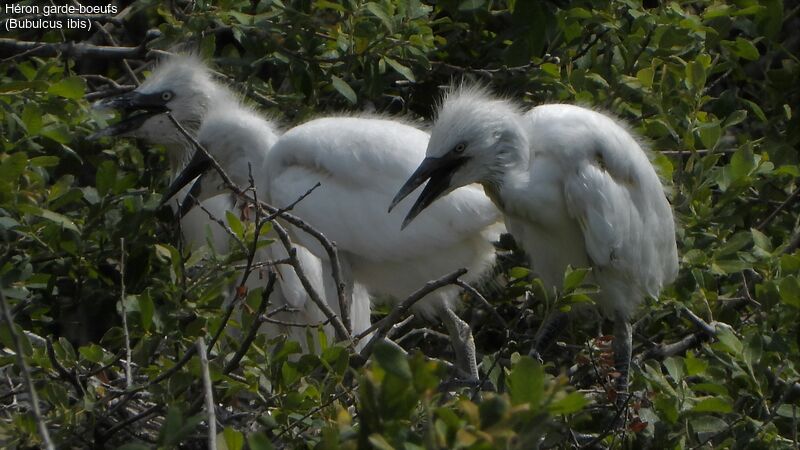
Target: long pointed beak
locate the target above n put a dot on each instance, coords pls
(135, 107)
(437, 172)
(199, 164)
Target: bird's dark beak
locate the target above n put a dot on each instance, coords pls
(199, 164)
(135, 108)
(438, 172)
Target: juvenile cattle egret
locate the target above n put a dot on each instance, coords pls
(357, 161)
(184, 87)
(575, 188)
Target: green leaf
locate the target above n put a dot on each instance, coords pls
(695, 75)
(32, 118)
(790, 291)
(713, 404)
(232, 439)
(259, 441)
(742, 163)
(569, 404)
(45, 161)
(93, 353)
(392, 360)
(708, 424)
(235, 224)
(645, 76)
(344, 89)
(381, 13)
(62, 220)
(710, 134)
(146, 310)
(106, 177)
(735, 118)
(574, 277)
(526, 382)
(72, 88)
(729, 341)
(401, 69)
(694, 365)
(745, 49)
(756, 109)
(12, 166)
(674, 367)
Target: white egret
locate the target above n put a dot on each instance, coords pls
(184, 87)
(358, 161)
(575, 188)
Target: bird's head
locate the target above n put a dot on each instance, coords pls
(181, 85)
(474, 139)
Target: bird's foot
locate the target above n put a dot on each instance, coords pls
(536, 355)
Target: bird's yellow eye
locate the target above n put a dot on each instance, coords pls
(460, 148)
(166, 96)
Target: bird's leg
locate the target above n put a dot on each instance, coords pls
(623, 332)
(548, 331)
(463, 343)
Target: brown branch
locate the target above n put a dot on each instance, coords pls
(330, 247)
(208, 394)
(253, 331)
(341, 329)
(383, 326)
(72, 50)
(786, 203)
(125, 332)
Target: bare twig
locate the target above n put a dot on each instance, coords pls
(72, 50)
(341, 331)
(786, 203)
(313, 411)
(330, 247)
(477, 295)
(209, 394)
(126, 333)
(71, 377)
(383, 326)
(253, 331)
(26, 375)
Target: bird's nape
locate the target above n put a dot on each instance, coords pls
(438, 172)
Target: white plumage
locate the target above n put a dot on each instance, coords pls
(184, 86)
(575, 188)
(359, 162)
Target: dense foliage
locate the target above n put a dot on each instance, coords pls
(714, 87)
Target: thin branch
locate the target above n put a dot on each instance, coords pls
(786, 203)
(341, 330)
(71, 377)
(477, 295)
(209, 394)
(330, 247)
(383, 326)
(253, 331)
(26, 375)
(126, 333)
(72, 50)
(312, 412)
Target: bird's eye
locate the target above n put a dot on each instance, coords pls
(460, 148)
(167, 96)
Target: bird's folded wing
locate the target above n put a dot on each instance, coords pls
(627, 224)
(360, 164)
(608, 217)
